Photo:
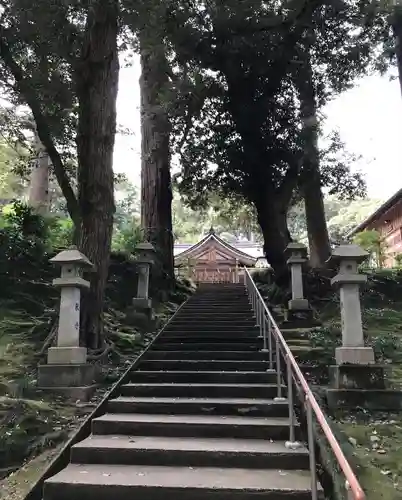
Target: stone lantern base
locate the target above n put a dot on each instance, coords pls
(143, 305)
(357, 376)
(141, 314)
(74, 381)
(361, 385)
(299, 305)
(298, 318)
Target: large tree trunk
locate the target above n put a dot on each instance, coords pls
(276, 234)
(396, 23)
(156, 187)
(38, 191)
(317, 230)
(97, 77)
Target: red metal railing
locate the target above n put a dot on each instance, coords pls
(271, 334)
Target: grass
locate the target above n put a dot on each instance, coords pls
(377, 442)
(33, 425)
(18, 484)
(376, 438)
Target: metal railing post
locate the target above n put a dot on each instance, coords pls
(264, 333)
(292, 437)
(292, 443)
(271, 354)
(279, 396)
(262, 323)
(311, 450)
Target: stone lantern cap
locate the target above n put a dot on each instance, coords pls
(72, 256)
(145, 246)
(146, 252)
(296, 253)
(348, 257)
(296, 247)
(348, 252)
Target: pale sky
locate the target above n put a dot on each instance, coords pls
(368, 118)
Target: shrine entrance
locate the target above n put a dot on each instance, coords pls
(212, 260)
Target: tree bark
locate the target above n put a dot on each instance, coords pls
(156, 186)
(38, 192)
(396, 24)
(97, 82)
(275, 233)
(31, 97)
(320, 248)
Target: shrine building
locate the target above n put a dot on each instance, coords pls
(213, 260)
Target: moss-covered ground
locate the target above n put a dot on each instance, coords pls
(371, 441)
(375, 438)
(33, 424)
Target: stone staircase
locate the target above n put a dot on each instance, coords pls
(197, 420)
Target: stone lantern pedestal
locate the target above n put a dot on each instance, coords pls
(146, 258)
(297, 257)
(298, 314)
(67, 371)
(355, 379)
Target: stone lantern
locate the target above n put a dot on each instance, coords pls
(297, 256)
(348, 281)
(67, 370)
(72, 263)
(355, 379)
(146, 257)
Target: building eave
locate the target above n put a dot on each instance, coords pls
(244, 257)
(381, 210)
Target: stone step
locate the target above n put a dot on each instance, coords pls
(296, 343)
(142, 482)
(203, 377)
(219, 337)
(215, 299)
(213, 320)
(210, 355)
(219, 302)
(192, 390)
(178, 344)
(246, 317)
(297, 323)
(218, 311)
(240, 295)
(193, 326)
(187, 452)
(216, 306)
(240, 292)
(140, 424)
(183, 333)
(212, 316)
(200, 406)
(306, 353)
(205, 364)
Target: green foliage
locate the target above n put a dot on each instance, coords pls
(231, 218)
(127, 236)
(327, 338)
(342, 216)
(11, 185)
(374, 244)
(61, 232)
(398, 260)
(247, 121)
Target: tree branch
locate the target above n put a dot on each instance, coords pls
(32, 99)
